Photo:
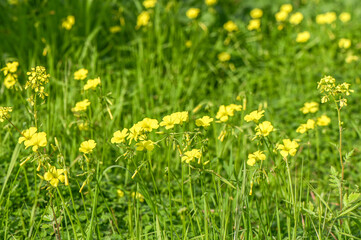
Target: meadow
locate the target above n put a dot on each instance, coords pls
(194, 119)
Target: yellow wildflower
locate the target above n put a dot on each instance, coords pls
(254, 116)
(193, 13)
(168, 122)
(310, 124)
(256, 13)
(188, 43)
(288, 147)
(286, 8)
(303, 37)
(309, 107)
(27, 135)
(149, 3)
(210, 2)
(204, 121)
(115, 29)
(119, 136)
(81, 74)
(191, 155)
(230, 26)
(224, 57)
(323, 120)
(68, 22)
(145, 145)
(10, 80)
(37, 78)
(81, 106)
(92, 84)
(142, 19)
(264, 129)
(326, 18)
(135, 133)
(345, 17)
(296, 18)
(138, 196)
(256, 156)
(224, 113)
(344, 43)
(4, 113)
(120, 193)
(351, 58)
(148, 124)
(254, 24)
(37, 140)
(180, 117)
(281, 16)
(87, 146)
(54, 176)
(83, 126)
(11, 67)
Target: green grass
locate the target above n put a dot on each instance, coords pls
(150, 72)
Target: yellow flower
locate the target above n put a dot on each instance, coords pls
(148, 124)
(115, 29)
(142, 19)
(180, 117)
(87, 146)
(145, 145)
(296, 18)
(54, 176)
(138, 196)
(254, 116)
(309, 107)
(11, 67)
(68, 22)
(303, 37)
(224, 112)
(37, 78)
(288, 147)
(210, 2)
(83, 126)
(264, 129)
(323, 120)
(326, 18)
(256, 156)
(344, 43)
(168, 121)
(302, 129)
(92, 84)
(191, 155)
(135, 132)
(37, 140)
(119, 136)
(193, 13)
(81, 106)
(256, 13)
(310, 124)
(149, 3)
(254, 24)
(188, 43)
(27, 135)
(204, 121)
(81, 74)
(281, 16)
(4, 113)
(230, 26)
(351, 58)
(286, 8)
(345, 17)
(120, 193)
(10, 80)
(224, 57)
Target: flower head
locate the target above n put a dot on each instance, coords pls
(204, 121)
(254, 24)
(87, 146)
(281, 16)
(37, 140)
(256, 156)
(230, 26)
(344, 43)
(149, 3)
(210, 2)
(288, 147)
(310, 124)
(68, 22)
(254, 116)
(309, 107)
(323, 120)
(27, 135)
(11, 67)
(145, 145)
(168, 122)
(191, 155)
(256, 13)
(148, 124)
(37, 78)
(296, 18)
(193, 13)
(264, 129)
(345, 17)
(286, 8)
(119, 136)
(81, 74)
(81, 106)
(303, 37)
(5, 113)
(326, 18)
(54, 176)
(224, 57)
(92, 84)
(142, 19)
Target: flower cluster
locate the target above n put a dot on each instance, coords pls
(68, 22)
(224, 112)
(34, 139)
(328, 87)
(37, 78)
(10, 74)
(5, 113)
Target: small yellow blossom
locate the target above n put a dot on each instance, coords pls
(286, 8)
(115, 29)
(119, 136)
(37, 78)
(37, 140)
(142, 19)
(188, 43)
(288, 147)
(254, 24)
(256, 156)
(303, 37)
(83, 126)
(281, 16)
(81, 106)
(54, 176)
(310, 124)
(138, 196)
(326, 18)
(296, 18)
(11, 67)
(264, 129)
(87, 146)
(120, 193)
(230, 26)
(10, 80)
(149, 3)
(4, 113)
(224, 57)
(254, 116)
(81, 74)
(256, 13)
(193, 13)
(344, 43)
(224, 113)
(210, 2)
(168, 122)
(135, 133)
(92, 84)
(68, 22)
(204, 121)
(351, 58)
(27, 135)
(345, 17)
(148, 124)
(309, 107)
(191, 155)
(323, 120)
(145, 145)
